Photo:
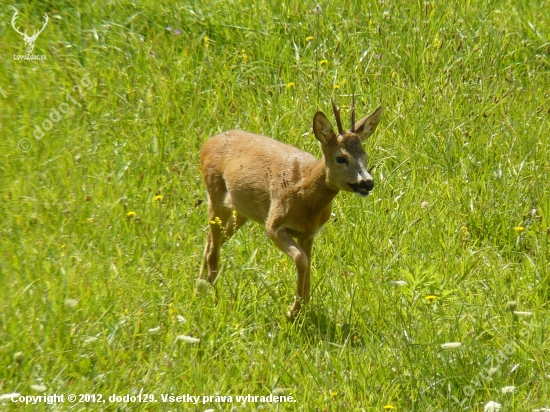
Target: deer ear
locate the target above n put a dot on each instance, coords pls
(322, 128)
(367, 125)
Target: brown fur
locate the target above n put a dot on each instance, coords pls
(285, 189)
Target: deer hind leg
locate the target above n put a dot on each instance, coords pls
(284, 241)
(219, 216)
(221, 229)
(218, 219)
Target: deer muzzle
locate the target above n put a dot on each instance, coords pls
(363, 188)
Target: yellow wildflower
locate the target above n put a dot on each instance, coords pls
(519, 229)
(337, 86)
(290, 85)
(323, 62)
(206, 41)
(158, 198)
(244, 55)
(216, 221)
(388, 406)
(130, 215)
(310, 38)
(393, 74)
(430, 298)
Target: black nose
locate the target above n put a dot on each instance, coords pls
(367, 185)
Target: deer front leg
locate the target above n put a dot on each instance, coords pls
(284, 241)
(306, 244)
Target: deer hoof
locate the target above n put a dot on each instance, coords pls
(293, 314)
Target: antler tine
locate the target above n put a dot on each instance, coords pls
(45, 23)
(337, 116)
(13, 19)
(36, 33)
(352, 128)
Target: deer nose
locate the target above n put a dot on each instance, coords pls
(368, 184)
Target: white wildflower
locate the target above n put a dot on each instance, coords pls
(39, 388)
(188, 339)
(519, 313)
(492, 406)
(71, 303)
(508, 389)
(154, 331)
(181, 319)
(398, 283)
(451, 345)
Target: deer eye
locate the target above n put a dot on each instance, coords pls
(341, 160)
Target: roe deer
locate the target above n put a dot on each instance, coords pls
(285, 189)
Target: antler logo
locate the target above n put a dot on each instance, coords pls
(29, 40)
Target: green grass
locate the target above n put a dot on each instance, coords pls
(463, 162)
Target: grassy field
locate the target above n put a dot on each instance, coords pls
(103, 219)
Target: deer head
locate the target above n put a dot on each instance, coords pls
(344, 155)
(29, 40)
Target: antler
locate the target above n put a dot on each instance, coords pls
(337, 116)
(35, 35)
(13, 24)
(352, 128)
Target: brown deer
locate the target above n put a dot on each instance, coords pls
(285, 189)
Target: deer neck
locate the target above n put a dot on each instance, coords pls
(315, 190)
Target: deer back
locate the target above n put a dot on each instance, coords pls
(253, 172)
